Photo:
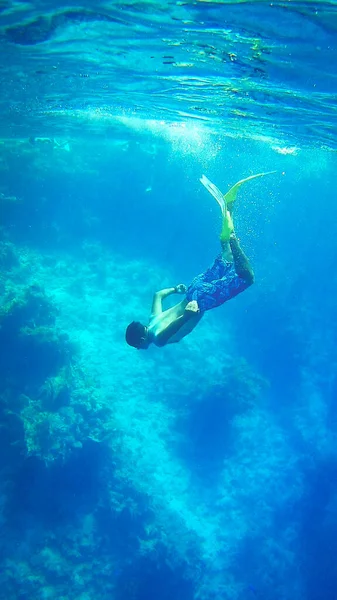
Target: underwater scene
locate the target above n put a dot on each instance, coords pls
(168, 286)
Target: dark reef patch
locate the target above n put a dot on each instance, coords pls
(33, 348)
(57, 493)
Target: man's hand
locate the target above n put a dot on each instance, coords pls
(192, 307)
(181, 288)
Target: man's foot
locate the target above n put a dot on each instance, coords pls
(227, 227)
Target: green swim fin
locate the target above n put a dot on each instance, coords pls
(225, 201)
(214, 191)
(230, 196)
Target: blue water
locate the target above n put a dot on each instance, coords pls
(204, 470)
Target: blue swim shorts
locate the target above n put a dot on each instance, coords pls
(216, 285)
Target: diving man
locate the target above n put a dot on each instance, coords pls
(229, 275)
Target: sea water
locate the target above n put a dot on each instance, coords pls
(205, 469)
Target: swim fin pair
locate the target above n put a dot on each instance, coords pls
(226, 201)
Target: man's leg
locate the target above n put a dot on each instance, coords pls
(241, 263)
(231, 272)
(229, 275)
(209, 295)
(216, 271)
(231, 250)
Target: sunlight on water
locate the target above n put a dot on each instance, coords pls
(243, 68)
(185, 137)
(285, 150)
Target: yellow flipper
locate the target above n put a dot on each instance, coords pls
(230, 196)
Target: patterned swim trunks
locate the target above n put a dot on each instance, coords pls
(216, 285)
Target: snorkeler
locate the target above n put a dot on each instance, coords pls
(229, 275)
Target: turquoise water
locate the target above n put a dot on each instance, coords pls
(241, 68)
(204, 470)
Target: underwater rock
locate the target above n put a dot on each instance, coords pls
(55, 392)
(33, 374)
(34, 349)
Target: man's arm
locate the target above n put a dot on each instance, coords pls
(163, 337)
(241, 262)
(157, 307)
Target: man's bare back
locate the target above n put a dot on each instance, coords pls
(171, 325)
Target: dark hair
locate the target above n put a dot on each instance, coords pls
(134, 333)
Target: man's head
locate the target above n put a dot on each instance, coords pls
(137, 335)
